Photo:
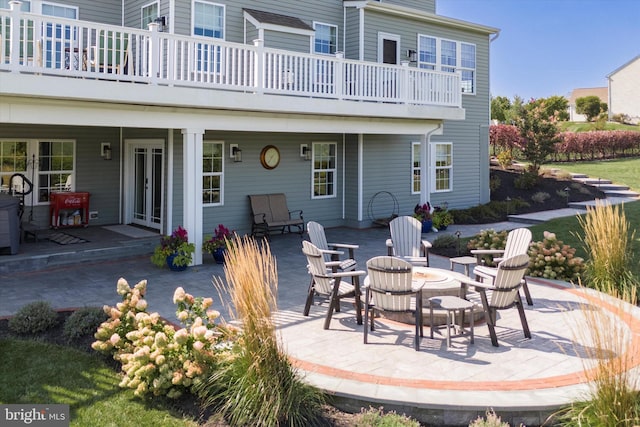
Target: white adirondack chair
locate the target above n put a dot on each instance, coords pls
(406, 241)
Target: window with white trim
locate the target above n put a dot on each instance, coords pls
(415, 168)
(212, 172)
(13, 159)
(149, 13)
(325, 40)
(441, 166)
(450, 56)
(324, 169)
(55, 167)
(208, 21)
(59, 39)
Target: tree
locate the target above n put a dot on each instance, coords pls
(500, 105)
(590, 106)
(539, 132)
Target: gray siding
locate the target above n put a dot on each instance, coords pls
(423, 5)
(287, 41)
(352, 34)
(92, 173)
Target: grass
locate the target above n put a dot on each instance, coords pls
(619, 171)
(64, 375)
(585, 127)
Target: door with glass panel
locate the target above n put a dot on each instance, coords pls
(146, 183)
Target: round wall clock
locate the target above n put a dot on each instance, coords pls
(270, 157)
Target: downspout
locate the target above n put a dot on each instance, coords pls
(425, 191)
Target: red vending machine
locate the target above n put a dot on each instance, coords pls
(69, 209)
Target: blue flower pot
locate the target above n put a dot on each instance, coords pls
(427, 226)
(219, 255)
(174, 267)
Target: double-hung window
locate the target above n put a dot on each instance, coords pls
(441, 171)
(212, 172)
(59, 40)
(51, 164)
(325, 39)
(415, 168)
(149, 14)
(449, 56)
(442, 166)
(208, 21)
(324, 169)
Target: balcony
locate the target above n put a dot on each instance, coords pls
(35, 46)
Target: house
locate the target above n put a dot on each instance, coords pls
(624, 91)
(160, 110)
(601, 92)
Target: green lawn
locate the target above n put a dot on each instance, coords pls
(63, 375)
(619, 171)
(585, 127)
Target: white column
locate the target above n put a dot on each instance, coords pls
(192, 188)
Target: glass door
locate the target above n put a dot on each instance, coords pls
(147, 183)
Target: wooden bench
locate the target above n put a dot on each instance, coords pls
(270, 211)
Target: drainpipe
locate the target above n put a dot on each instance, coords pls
(425, 191)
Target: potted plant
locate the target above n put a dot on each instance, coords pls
(175, 251)
(216, 245)
(441, 217)
(423, 214)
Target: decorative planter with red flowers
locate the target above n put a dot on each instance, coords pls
(177, 248)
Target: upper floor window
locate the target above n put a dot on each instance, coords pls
(149, 14)
(325, 39)
(212, 172)
(442, 166)
(449, 56)
(324, 169)
(415, 168)
(208, 19)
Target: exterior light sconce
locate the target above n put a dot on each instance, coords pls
(105, 150)
(412, 55)
(305, 151)
(235, 153)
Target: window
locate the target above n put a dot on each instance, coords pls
(13, 159)
(415, 168)
(212, 172)
(208, 21)
(325, 39)
(324, 169)
(449, 56)
(442, 166)
(149, 14)
(55, 167)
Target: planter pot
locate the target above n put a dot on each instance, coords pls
(219, 255)
(174, 267)
(427, 226)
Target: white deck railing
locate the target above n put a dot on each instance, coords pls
(45, 45)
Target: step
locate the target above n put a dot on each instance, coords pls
(592, 181)
(610, 187)
(621, 193)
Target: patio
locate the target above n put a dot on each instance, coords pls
(523, 380)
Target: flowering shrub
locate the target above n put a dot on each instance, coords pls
(155, 357)
(552, 259)
(177, 243)
(488, 239)
(422, 212)
(218, 240)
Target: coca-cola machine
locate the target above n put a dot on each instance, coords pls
(69, 209)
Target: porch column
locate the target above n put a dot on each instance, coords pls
(192, 188)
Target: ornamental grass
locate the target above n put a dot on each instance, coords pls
(605, 336)
(260, 387)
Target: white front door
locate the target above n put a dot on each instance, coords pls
(144, 182)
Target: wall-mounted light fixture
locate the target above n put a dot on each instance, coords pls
(235, 152)
(105, 150)
(305, 151)
(412, 55)
(162, 22)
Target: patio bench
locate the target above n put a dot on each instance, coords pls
(270, 211)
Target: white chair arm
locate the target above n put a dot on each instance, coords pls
(426, 244)
(343, 245)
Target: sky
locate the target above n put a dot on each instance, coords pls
(550, 47)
